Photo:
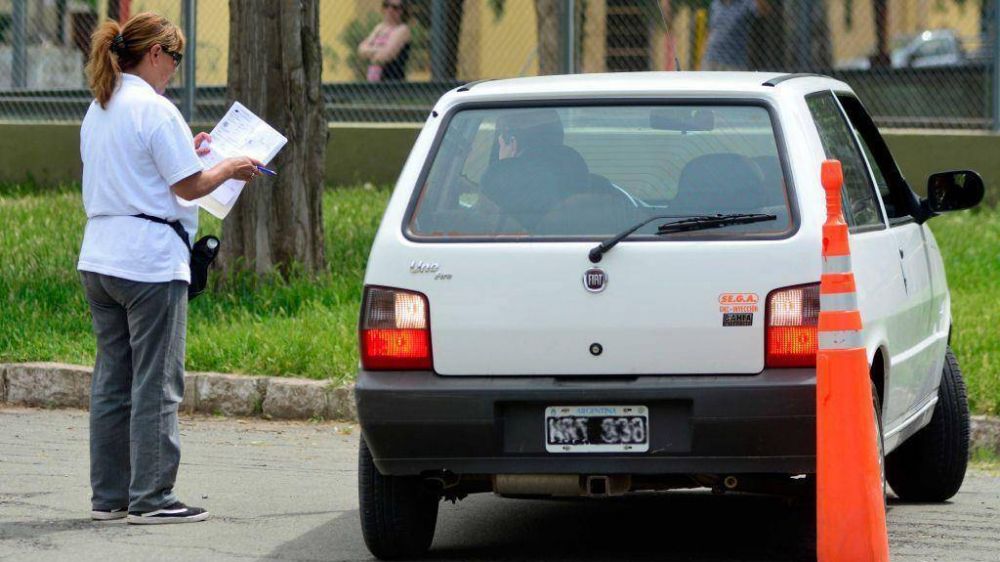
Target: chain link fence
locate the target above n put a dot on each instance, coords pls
(915, 63)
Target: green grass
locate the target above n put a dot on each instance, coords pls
(295, 327)
(970, 244)
(305, 327)
(986, 460)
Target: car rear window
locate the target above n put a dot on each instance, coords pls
(593, 171)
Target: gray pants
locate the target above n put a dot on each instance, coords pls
(137, 386)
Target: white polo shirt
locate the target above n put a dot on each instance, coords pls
(133, 151)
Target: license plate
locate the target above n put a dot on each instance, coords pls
(596, 429)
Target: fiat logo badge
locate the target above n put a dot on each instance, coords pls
(595, 280)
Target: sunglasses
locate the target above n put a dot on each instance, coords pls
(178, 57)
(391, 5)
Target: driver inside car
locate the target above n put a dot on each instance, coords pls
(531, 170)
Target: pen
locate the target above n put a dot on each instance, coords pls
(266, 171)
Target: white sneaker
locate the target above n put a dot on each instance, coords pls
(108, 514)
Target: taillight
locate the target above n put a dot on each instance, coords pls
(791, 335)
(395, 330)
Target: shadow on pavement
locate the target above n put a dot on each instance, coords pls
(678, 526)
(39, 531)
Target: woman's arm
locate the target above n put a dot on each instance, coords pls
(367, 47)
(397, 40)
(202, 183)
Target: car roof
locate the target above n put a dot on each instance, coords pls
(628, 83)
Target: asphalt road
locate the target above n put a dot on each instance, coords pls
(286, 491)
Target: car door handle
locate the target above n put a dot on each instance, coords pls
(900, 253)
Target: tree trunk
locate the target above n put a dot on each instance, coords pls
(454, 12)
(767, 40)
(275, 63)
(880, 11)
(820, 47)
(547, 15)
(807, 37)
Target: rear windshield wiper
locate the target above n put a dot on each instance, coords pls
(682, 224)
(712, 221)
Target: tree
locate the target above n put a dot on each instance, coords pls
(444, 19)
(275, 65)
(811, 48)
(549, 15)
(547, 22)
(880, 13)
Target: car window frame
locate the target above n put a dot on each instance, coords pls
(419, 188)
(869, 177)
(868, 134)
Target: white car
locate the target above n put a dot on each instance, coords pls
(592, 285)
(932, 48)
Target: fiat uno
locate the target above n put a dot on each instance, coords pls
(594, 285)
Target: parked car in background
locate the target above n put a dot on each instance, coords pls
(928, 49)
(595, 285)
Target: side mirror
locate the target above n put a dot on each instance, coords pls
(954, 191)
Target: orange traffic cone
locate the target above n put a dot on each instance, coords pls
(850, 506)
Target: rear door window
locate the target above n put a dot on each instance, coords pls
(861, 208)
(897, 197)
(592, 171)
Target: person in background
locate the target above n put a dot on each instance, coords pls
(139, 161)
(729, 32)
(387, 47)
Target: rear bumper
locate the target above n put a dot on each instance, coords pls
(419, 421)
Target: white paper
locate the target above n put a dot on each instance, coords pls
(239, 133)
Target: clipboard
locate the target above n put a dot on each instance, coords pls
(239, 133)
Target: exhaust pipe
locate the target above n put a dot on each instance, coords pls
(566, 485)
(561, 485)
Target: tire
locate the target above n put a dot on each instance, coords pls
(398, 513)
(879, 441)
(930, 465)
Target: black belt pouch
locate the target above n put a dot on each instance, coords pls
(203, 253)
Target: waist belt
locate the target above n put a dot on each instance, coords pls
(176, 225)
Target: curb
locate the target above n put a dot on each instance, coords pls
(57, 385)
(985, 434)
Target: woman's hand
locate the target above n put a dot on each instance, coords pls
(201, 184)
(242, 168)
(200, 139)
(398, 39)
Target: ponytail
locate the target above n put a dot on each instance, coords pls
(116, 48)
(103, 68)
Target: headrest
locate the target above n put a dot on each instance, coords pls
(720, 183)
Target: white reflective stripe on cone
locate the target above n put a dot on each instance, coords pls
(837, 264)
(840, 339)
(838, 301)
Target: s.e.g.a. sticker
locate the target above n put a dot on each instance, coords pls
(738, 309)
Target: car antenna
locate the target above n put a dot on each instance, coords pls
(663, 18)
(666, 29)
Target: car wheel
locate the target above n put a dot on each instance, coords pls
(879, 438)
(398, 513)
(930, 465)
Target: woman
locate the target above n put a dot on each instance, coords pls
(139, 158)
(387, 48)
